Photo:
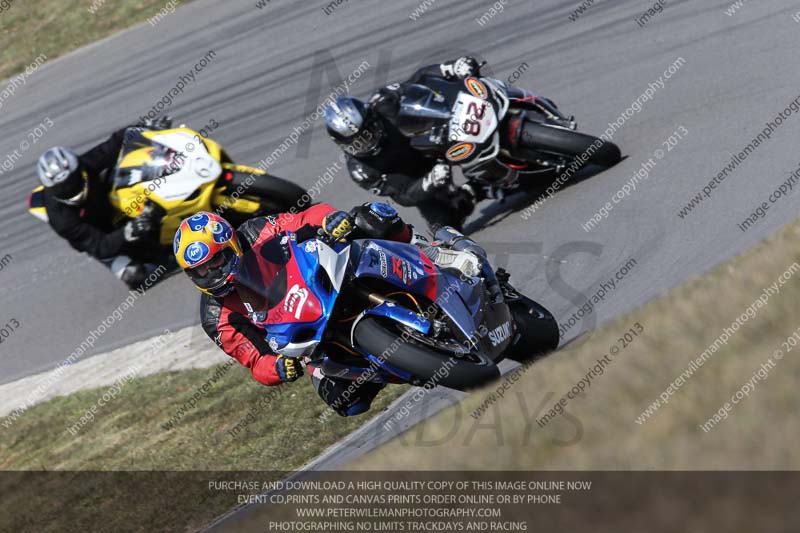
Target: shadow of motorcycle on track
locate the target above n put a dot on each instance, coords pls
(523, 199)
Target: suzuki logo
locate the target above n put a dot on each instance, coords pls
(500, 334)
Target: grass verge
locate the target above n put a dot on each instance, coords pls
(54, 27)
(606, 426)
(129, 434)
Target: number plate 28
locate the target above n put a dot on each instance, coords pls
(474, 120)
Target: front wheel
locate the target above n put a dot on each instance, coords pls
(425, 362)
(543, 141)
(538, 330)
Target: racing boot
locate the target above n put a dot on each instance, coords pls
(346, 397)
(455, 250)
(127, 270)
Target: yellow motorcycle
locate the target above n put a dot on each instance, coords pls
(182, 173)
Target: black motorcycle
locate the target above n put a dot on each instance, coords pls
(498, 134)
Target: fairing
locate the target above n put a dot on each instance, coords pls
(291, 288)
(177, 159)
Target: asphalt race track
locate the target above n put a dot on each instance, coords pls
(736, 73)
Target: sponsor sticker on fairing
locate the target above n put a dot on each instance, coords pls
(295, 300)
(384, 264)
(476, 88)
(500, 334)
(402, 270)
(460, 151)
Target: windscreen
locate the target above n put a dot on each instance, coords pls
(142, 159)
(421, 109)
(261, 280)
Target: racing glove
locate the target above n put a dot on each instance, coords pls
(480, 192)
(137, 229)
(338, 225)
(386, 102)
(461, 68)
(288, 369)
(146, 224)
(462, 202)
(439, 177)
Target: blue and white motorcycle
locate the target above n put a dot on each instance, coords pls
(395, 312)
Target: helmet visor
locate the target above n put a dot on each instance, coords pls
(72, 190)
(368, 139)
(214, 273)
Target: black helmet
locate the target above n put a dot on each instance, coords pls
(61, 174)
(354, 126)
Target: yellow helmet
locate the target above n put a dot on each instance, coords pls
(207, 249)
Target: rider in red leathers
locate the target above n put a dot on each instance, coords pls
(209, 251)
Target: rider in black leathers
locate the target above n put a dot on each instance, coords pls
(382, 160)
(76, 198)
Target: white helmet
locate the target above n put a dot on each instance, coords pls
(353, 126)
(59, 171)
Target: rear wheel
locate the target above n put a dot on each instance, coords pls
(540, 141)
(276, 194)
(264, 194)
(423, 359)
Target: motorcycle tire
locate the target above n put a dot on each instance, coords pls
(423, 361)
(277, 194)
(538, 331)
(542, 139)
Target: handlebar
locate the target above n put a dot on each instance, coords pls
(324, 237)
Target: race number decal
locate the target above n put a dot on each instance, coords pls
(474, 120)
(460, 151)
